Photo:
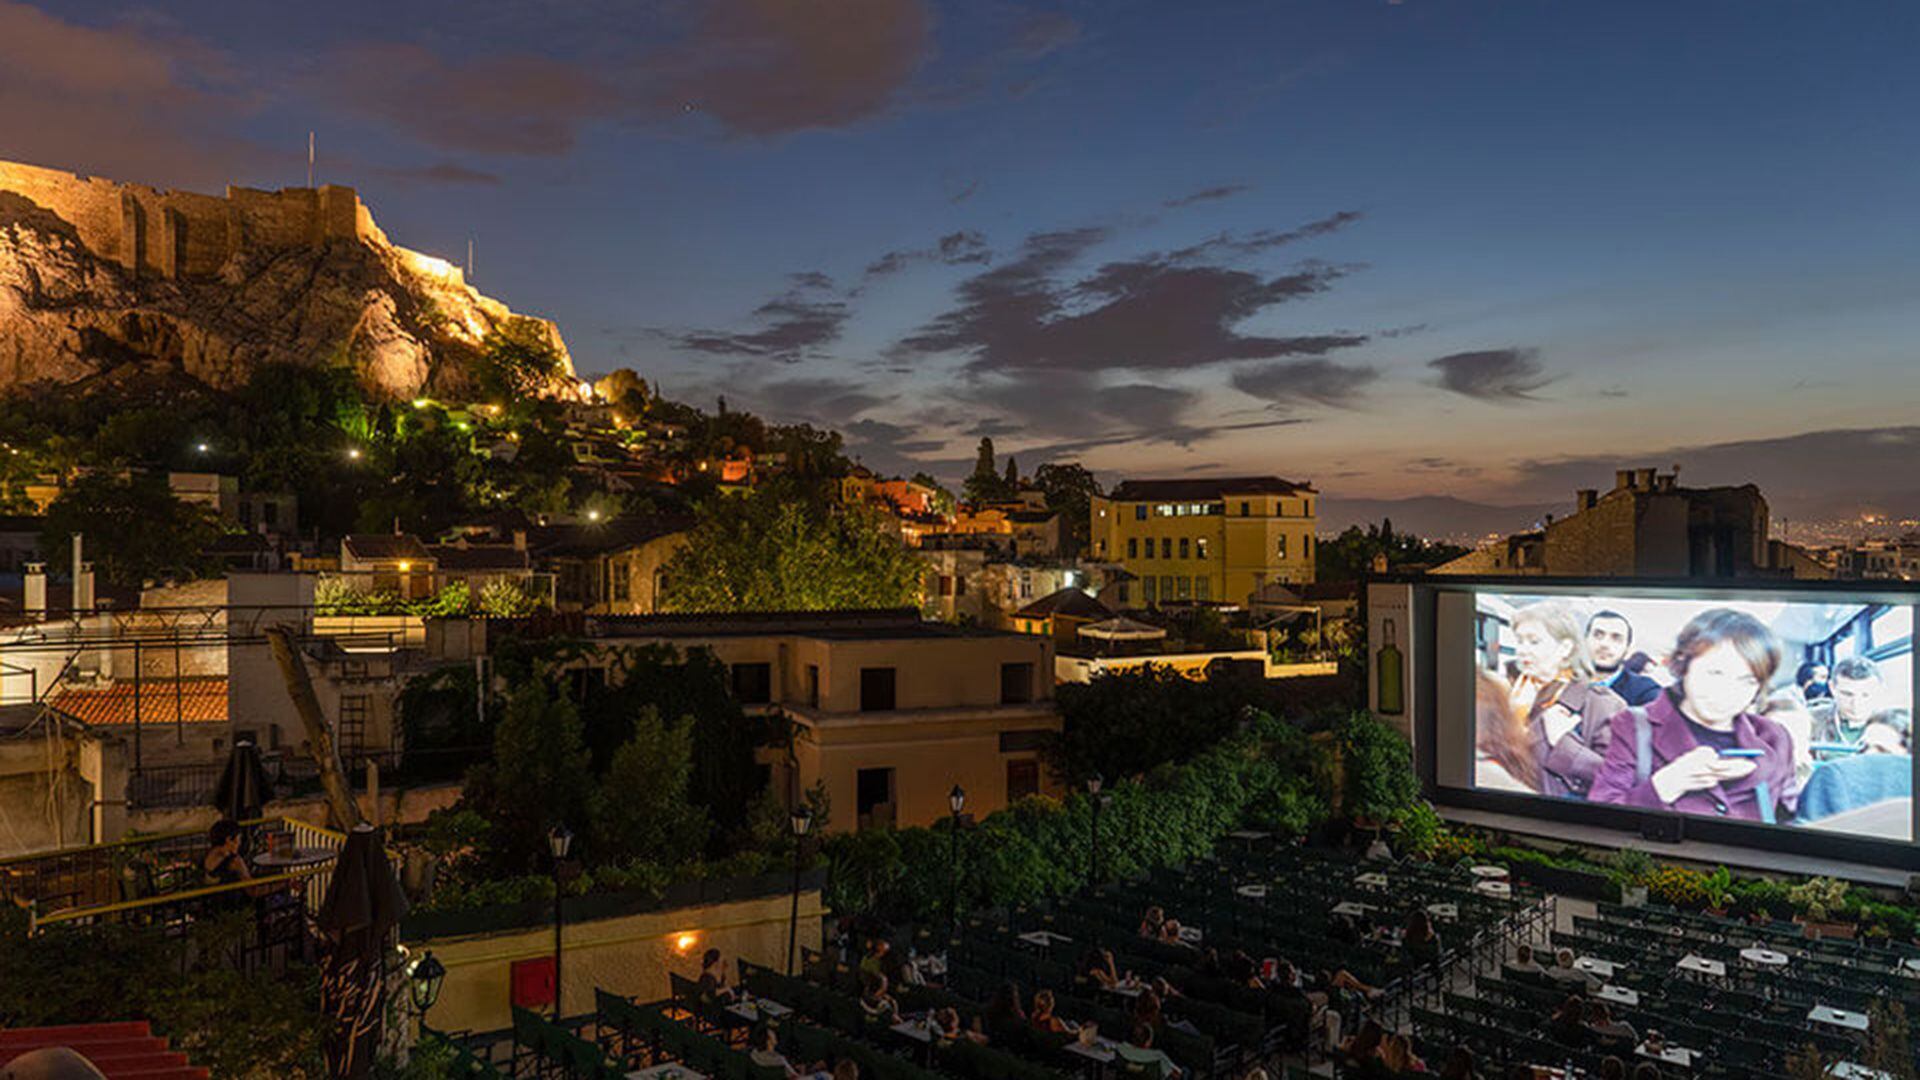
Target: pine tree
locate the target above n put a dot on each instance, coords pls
(1013, 475)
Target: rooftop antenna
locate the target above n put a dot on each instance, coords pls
(309, 159)
(469, 260)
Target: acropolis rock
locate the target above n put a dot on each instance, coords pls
(97, 277)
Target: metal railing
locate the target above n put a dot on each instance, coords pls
(294, 774)
(146, 875)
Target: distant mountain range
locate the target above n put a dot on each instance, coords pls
(1436, 517)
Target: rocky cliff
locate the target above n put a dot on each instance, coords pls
(99, 280)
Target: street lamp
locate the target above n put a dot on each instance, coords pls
(558, 842)
(1094, 798)
(957, 801)
(424, 977)
(800, 821)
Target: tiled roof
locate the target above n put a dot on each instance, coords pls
(191, 700)
(602, 538)
(1070, 602)
(453, 557)
(1204, 488)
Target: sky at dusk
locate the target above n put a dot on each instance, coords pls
(1395, 248)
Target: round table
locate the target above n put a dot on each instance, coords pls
(1493, 888)
(1490, 873)
(1764, 957)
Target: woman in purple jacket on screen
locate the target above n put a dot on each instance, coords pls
(1702, 748)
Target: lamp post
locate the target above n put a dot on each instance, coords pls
(424, 977)
(1094, 799)
(558, 842)
(800, 821)
(956, 801)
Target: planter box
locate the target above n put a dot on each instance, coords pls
(1582, 884)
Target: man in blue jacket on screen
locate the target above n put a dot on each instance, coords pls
(1609, 637)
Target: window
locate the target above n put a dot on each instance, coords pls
(1186, 587)
(873, 802)
(1203, 588)
(877, 689)
(1200, 547)
(622, 586)
(1148, 593)
(813, 686)
(1023, 779)
(1016, 684)
(753, 683)
(1166, 547)
(1140, 512)
(1306, 547)
(1280, 547)
(1120, 593)
(1168, 590)
(270, 514)
(1133, 547)
(353, 724)
(1026, 584)
(1246, 508)
(1184, 549)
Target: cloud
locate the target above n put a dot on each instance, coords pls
(1267, 239)
(810, 279)
(1317, 382)
(124, 100)
(1066, 413)
(513, 103)
(1497, 375)
(964, 193)
(954, 249)
(795, 326)
(443, 172)
(1224, 191)
(1153, 312)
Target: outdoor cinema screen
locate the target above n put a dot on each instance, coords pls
(1793, 712)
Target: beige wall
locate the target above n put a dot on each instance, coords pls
(928, 754)
(1243, 550)
(630, 955)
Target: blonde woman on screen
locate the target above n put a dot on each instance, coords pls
(1567, 717)
(1503, 758)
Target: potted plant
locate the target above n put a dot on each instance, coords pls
(1818, 901)
(1631, 867)
(1718, 887)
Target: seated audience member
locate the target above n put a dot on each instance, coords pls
(1523, 961)
(1459, 1065)
(1671, 755)
(1396, 1053)
(1568, 1024)
(1003, 1010)
(1165, 989)
(1146, 1010)
(1042, 1017)
(1139, 1051)
(875, 1001)
(948, 1029)
(713, 978)
(1563, 971)
(1646, 1070)
(766, 1053)
(1364, 1043)
(1288, 985)
(1420, 941)
(1156, 926)
(1097, 966)
(1612, 1068)
(846, 1069)
(1600, 1021)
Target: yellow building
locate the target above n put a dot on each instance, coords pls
(1218, 539)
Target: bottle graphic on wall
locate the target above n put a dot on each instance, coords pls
(1390, 671)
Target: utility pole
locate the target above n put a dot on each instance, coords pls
(309, 159)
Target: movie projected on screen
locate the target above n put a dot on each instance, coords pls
(1795, 713)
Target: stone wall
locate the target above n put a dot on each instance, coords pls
(174, 234)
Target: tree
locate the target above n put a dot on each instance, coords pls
(1350, 556)
(135, 529)
(1070, 489)
(641, 810)
(517, 360)
(943, 500)
(986, 484)
(770, 551)
(1013, 475)
(1126, 723)
(538, 778)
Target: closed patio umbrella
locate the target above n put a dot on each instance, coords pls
(244, 786)
(362, 908)
(1121, 628)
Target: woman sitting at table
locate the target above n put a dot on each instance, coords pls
(1420, 942)
(876, 1002)
(1003, 1010)
(948, 1030)
(1097, 966)
(1139, 1051)
(1396, 1054)
(1155, 926)
(713, 979)
(766, 1054)
(224, 865)
(1601, 1022)
(1568, 1024)
(1043, 1019)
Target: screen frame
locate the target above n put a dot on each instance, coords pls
(1427, 709)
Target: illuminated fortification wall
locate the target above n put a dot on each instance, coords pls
(175, 234)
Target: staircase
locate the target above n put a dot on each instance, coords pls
(123, 1050)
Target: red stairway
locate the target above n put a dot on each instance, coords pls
(123, 1050)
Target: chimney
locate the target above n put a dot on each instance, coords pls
(1622, 479)
(82, 578)
(36, 591)
(1585, 498)
(1645, 477)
